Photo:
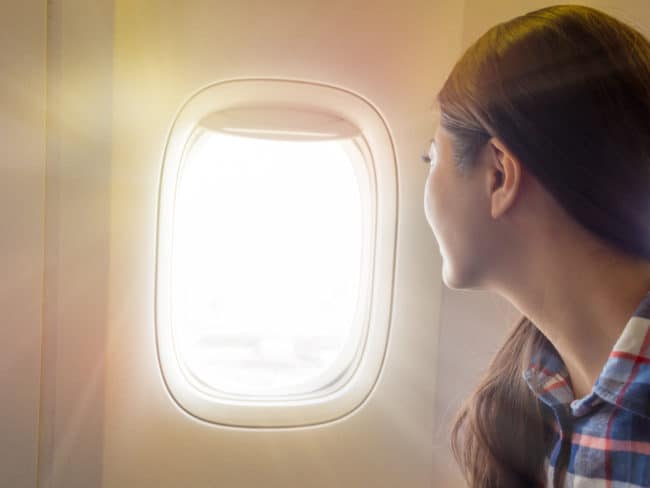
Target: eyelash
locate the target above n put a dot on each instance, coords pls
(427, 156)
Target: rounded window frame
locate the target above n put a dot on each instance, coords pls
(351, 390)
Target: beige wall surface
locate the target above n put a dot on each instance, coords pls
(394, 54)
(22, 176)
(79, 118)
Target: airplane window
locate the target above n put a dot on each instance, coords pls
(266, 263)
(275, 253)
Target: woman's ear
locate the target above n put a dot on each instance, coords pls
(504, 177)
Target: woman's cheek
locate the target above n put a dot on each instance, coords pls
(429, 203)
(425, 201)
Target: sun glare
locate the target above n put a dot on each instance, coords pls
(266, 261)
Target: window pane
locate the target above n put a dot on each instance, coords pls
(266, 262)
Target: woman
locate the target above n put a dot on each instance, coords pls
(539, 190)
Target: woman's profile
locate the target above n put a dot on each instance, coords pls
(539, 190)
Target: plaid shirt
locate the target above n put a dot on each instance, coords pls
(602, 439)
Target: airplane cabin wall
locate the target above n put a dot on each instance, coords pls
(22, 187)
(79, 202)
(394, 54)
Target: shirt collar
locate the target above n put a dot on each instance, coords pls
(625, 378)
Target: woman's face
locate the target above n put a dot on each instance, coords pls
(457, 209)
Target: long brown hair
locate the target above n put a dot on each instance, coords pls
(567, 89)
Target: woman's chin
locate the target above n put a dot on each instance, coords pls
(454, 278)
(448, 277)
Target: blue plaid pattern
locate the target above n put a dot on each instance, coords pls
(603, 439)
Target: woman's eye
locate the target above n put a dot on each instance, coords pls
(430, 157)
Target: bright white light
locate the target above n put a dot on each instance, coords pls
(266, 261)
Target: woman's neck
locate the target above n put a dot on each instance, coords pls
(581, 297)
